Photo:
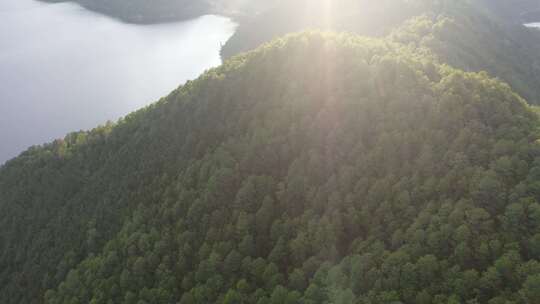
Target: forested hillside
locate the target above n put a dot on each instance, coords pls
(472, 35)
(460, 32)
(320, 168)
(474, 42)
(515, 11)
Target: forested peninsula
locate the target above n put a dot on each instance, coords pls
(162, 11)
(320, 167)
(144, 11)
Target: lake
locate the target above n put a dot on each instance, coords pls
(64, 68)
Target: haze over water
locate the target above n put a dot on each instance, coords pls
(63, 68)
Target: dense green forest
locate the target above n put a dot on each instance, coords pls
(319, 168)
(466, 34)
(474, 42)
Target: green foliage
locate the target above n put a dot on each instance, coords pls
(320, 168)
(462, 33)
(469, 40)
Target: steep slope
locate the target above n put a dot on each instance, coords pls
(320, 168)
(473, 40)
(515, 11)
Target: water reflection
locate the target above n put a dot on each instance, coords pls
(63, 68)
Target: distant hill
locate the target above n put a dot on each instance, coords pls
(319, 168)
(516, 11)
(474, 42)
(372, 18)
(147, 11)
(160, 11)
(471, 38)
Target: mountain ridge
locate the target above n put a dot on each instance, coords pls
(480, 39)
(287, 175)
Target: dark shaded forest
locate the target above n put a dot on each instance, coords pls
(320, 168)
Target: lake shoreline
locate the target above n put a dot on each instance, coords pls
(69, 68)
(152, 18)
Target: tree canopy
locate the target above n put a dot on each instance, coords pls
(472, 35)
(320, 168)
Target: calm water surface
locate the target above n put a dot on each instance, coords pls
(63, 68)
